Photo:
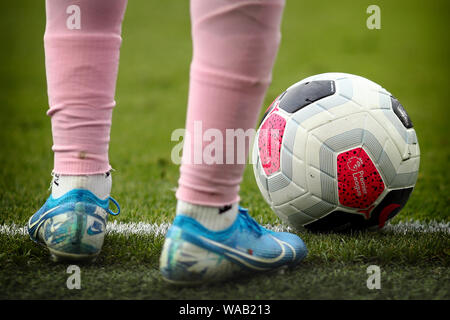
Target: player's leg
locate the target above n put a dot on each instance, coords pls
(82, 41)
(235, 44)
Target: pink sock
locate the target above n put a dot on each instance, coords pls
(82, 41)
(235, 44)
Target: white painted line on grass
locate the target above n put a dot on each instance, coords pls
(142, 228)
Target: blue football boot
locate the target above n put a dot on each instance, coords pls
(72, 226)
(193, 254)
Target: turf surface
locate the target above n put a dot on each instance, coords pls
(408, 56)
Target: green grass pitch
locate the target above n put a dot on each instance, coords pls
(409, 56)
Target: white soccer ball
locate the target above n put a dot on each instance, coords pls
(336, 152)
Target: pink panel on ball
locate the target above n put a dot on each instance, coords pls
(359, 182)
(269, 142)
(274, 104)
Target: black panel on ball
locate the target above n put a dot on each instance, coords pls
(340, 221)
(306, 93)
(401, 113)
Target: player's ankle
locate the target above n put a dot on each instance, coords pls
(212, 218)
(98, 184)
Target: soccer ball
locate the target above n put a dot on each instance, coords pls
(336, 152)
